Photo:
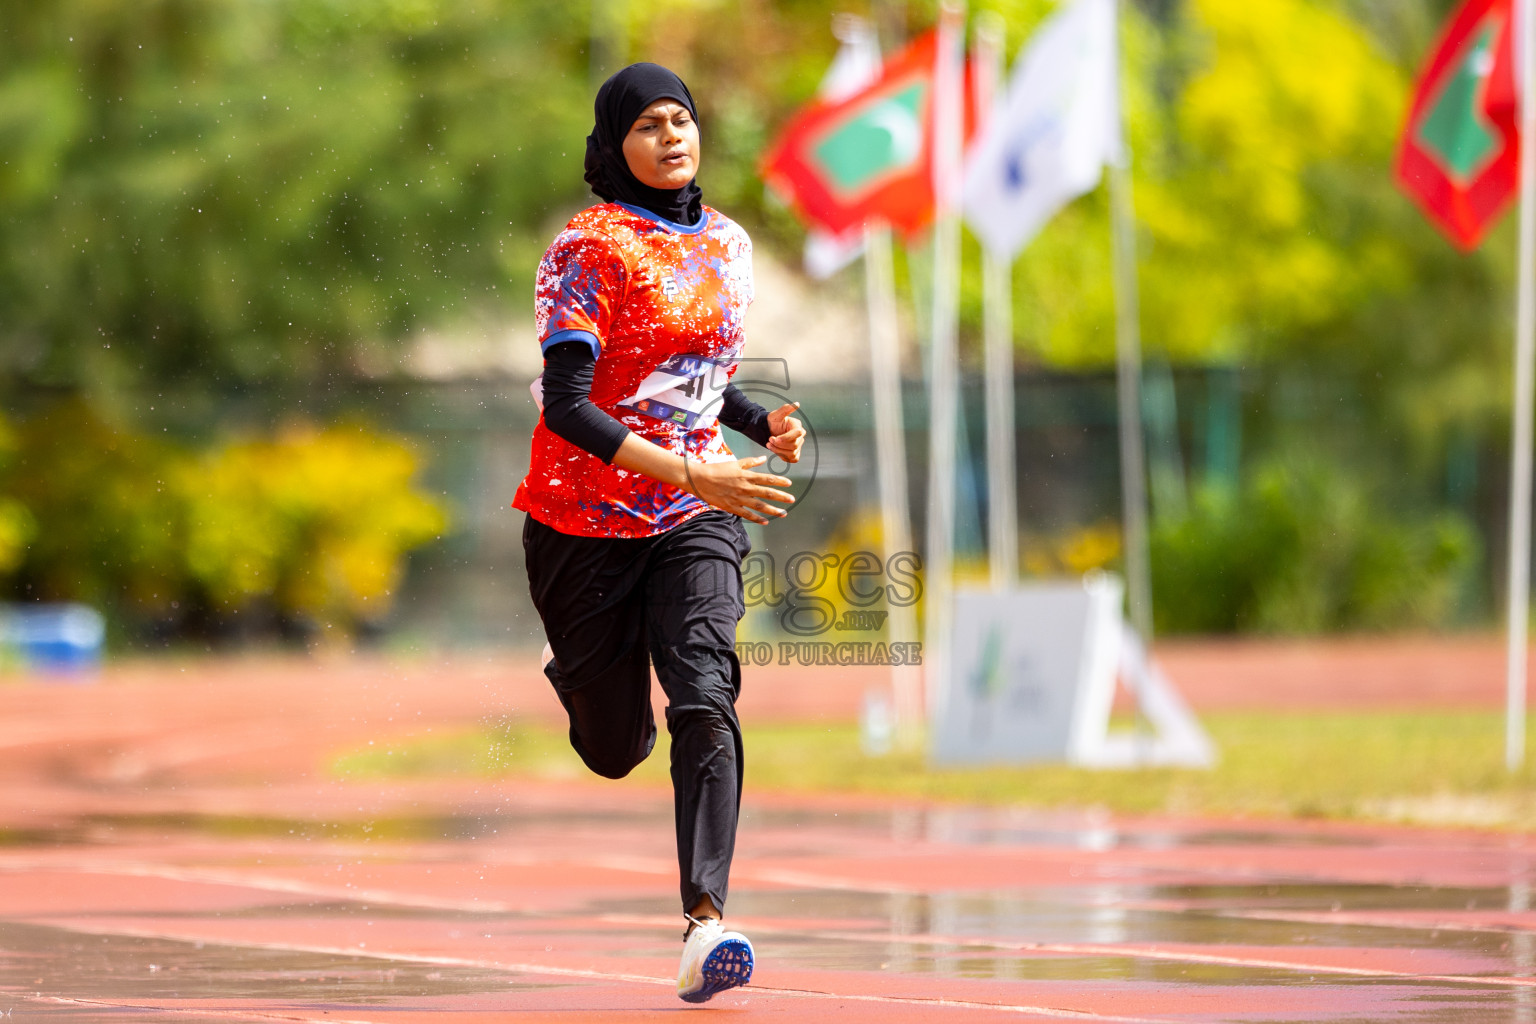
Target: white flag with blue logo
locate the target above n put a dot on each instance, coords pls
(1048, 140)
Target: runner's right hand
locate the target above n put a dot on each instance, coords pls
(734, 488)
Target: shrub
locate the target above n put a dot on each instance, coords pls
(107, 525)
(16, 523)
(317, 521)
(1302, 547)
(313, 524)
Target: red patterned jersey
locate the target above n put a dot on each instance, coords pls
(661, 305)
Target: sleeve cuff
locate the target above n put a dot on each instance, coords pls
(586, 336)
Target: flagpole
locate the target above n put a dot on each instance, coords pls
(891, 462)
(1525, 356)
(1133, 476)
(855, 67)
(943, 405)
(997, 319)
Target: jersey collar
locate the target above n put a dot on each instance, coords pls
(673, 226)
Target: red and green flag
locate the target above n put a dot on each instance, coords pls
(1459, 158)
(867, 156)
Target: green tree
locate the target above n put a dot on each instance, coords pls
(1259, 188)
(235, 194)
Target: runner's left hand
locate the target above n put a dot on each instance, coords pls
(788, 434)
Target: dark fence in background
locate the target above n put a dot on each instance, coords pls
(470, 589)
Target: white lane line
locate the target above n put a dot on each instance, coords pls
(1369, 919)
(191, 1011)
(381, 897)
(253, 880)
(346, 893)
(1179, 956)
(265, 883)
(1050, 1012)
(1098, 949)
(810, 880)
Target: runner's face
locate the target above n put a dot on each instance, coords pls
(662, 147)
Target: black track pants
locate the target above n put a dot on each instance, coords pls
(612, 607)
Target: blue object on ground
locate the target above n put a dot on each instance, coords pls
(53, 638)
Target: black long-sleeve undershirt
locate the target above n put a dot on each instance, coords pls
(744, 416)
(568, 408)
(569, 412)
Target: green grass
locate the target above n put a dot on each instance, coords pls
(1432, 767)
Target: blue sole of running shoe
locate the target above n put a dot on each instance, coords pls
(729, 965)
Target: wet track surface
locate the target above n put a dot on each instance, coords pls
(532, 911)
(176, 852)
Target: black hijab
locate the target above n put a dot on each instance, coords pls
(619, 103)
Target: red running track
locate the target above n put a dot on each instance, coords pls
(174, 849)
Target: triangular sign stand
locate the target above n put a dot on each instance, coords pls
(1035, 672)
(1173, 737)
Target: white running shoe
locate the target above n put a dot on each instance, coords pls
(713, 961)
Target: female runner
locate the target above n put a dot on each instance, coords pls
(633, 538)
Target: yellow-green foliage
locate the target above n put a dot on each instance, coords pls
(107, 527)
(1073, 552)
(316, 520)
(1232, 182)
(1259, 124)
(313, 523)
(16, 529)
(16, 523)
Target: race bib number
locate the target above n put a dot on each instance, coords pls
(684, 390)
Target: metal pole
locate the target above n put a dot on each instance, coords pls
(1525, 355)
(1133, 474)
(891, 462)
(997, 305)
(943, 402)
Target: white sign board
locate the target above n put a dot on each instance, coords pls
(1033, 679)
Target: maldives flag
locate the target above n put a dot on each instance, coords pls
(866, 156)
(1460, 152)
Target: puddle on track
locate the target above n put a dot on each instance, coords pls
(39, 964)
(71, 977)
(972, 935)
(1153, 914)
